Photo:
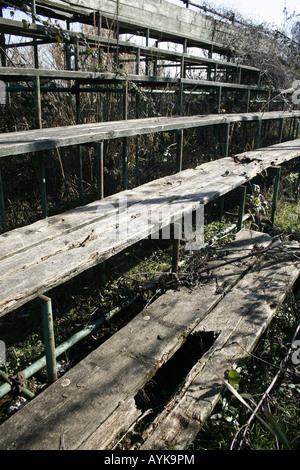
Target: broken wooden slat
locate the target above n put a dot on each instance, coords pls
(101, 386)
(241, 318)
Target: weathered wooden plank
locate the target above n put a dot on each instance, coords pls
(16, 143)
(37, 258)
(241, 318)
(99, 77)
(100, 389)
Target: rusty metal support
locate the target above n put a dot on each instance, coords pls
(177, 229)
(243, 190)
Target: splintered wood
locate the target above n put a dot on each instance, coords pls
(99, 405)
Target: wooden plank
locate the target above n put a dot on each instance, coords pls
(16, 143)
(241, 318)
(100, 389)
(39, 257)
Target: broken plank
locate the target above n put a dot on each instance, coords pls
(81, 402)
(240, 319)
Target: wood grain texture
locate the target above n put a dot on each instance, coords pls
(241, 318)
(101, 388)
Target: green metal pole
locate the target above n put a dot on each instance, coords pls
(216, 144)
(42, 176)
(258, 134)
(219, 100)
(243, 190)
(125, 140)
(275, 194)
(179, 153)
(280, 130)
(2, 205)
(49, 342)
(176, 246)
(100, 168)
(227, 136)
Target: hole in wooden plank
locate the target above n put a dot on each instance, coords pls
(167, 380)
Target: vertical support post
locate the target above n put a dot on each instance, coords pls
(227, 137)
(68, 50)
(2, 45)
(297, 130)
(298, 184)
(78, 120)
(138, 58)
(221, 207)
(248, 100)
(147, 44)
(176, 246)
(243, 190)
(137, 145)
(2, 205)
(294, 127)
(125, 155)
(181, 110)
(275, 194)
(280, 133)
(42, 177)
(37, 81)
(179, 152)
(47, 321)
(80, 171)
(215, 72)
(219, 99)
(216, 144)
(100, 166)
(258, 135)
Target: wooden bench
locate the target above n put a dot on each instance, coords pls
(17, 143)
(36, 258)
(95, 403)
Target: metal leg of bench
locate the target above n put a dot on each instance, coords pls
(176, 246)
(243, 190)
(49, 342)
(275, 194)
(42, 175)
(2, 205)
(100, 169)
